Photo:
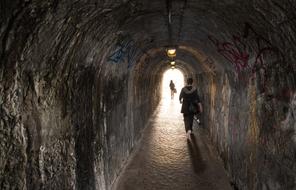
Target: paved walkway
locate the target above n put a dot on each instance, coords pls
(165, 159)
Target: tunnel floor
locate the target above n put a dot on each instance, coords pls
(165, 159)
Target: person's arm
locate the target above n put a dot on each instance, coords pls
(200, 108)
(181, 96)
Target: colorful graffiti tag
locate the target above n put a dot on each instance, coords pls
(248, 50)
(253, 57)
(125, 50)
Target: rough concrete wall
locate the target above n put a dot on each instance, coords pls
(125, 105)
(254, 133)
(67, 92)
(251, 108)
(67, 119)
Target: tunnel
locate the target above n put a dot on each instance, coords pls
(80, 80)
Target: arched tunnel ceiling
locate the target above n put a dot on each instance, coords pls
(194, 25)
(155, 61)
(200, 26)
(85, 76)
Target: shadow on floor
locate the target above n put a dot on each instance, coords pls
(199, 166)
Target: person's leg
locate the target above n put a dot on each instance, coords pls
(188, 126)
(190, 122)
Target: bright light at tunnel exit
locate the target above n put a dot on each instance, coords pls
(178, 79)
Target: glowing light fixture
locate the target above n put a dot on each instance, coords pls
(173, 63)
(171, 52)
(172, 67)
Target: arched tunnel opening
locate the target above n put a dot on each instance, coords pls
(176, 77)
(81, 80)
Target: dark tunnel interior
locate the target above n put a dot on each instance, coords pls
(80, 79)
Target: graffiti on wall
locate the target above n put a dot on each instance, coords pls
(235, 52)
(125, 50)
(248, 51)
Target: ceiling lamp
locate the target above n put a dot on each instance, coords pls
(173, 63)
(171, 52)
(172, 67)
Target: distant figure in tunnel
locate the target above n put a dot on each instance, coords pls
(173, 89)
(190, 105)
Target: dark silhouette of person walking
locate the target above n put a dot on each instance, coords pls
(191, 105)
(173, 89)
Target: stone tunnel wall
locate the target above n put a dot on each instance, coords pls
(69, 116)
(250, 110)
(254, 133)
